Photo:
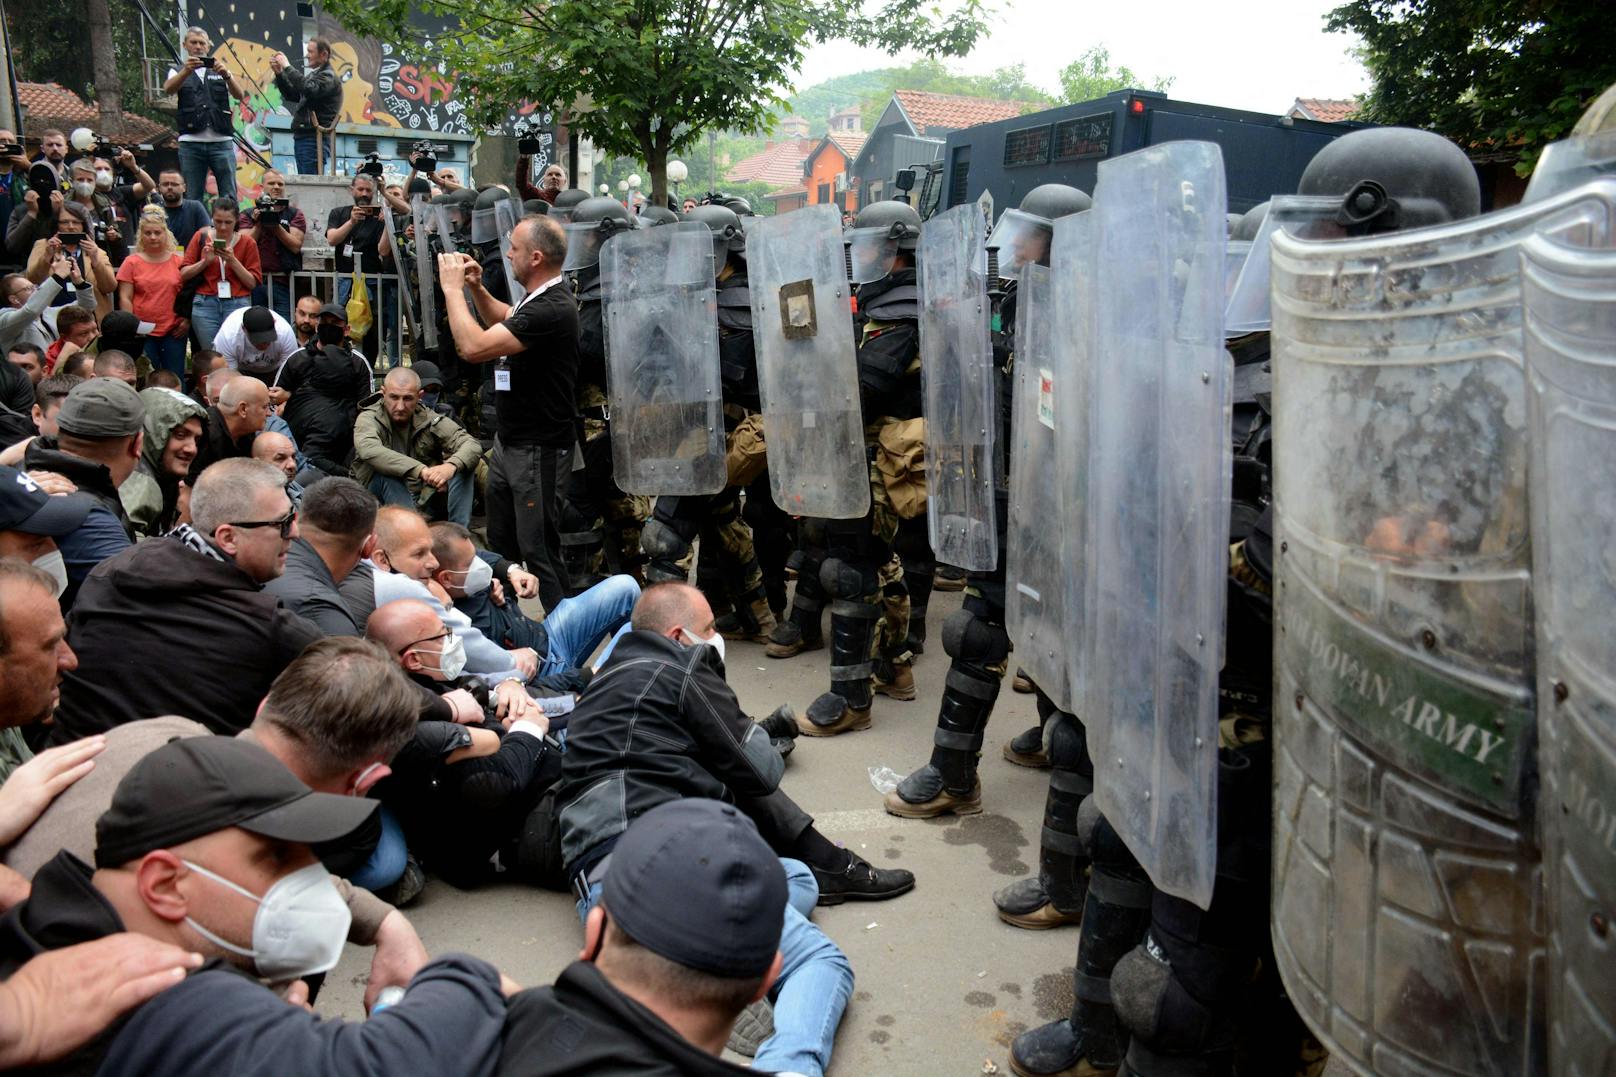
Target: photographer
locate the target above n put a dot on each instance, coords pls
(112, 165)
(317, 94)
(204, 87)
(224, 262)
(13, 175)
(73, 237)
(104, 224)
(278, 227)
(551, 182)
(28, 313)
(357, 235)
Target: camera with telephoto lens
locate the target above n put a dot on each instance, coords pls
(372, 166)
(270, 210)
(11, 149)
(424, 156)
(88, 142)
(527, 140)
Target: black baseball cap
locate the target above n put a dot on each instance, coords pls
(25, 507)
(334, 310)
(259, 325)
(428, 373)
(200, 785)
(693, 881)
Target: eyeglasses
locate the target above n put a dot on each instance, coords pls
(445, 634)
(285, 523)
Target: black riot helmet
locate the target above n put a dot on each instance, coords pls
(565, 201)
(484, 216)
(535, 207)
(1023, 235)
(1391, 179)
(1249, 223)
(593, 222)
(454, 215)
(879, 232)
(651, 216)
(725, 226)
(740, 206)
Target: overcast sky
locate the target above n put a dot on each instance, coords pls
(1251, 54)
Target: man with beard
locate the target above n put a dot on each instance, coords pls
(186, 216)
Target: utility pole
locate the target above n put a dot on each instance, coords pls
(10, 114)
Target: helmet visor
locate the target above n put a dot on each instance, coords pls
(1021, 239)
(585, 239)
(485, 225)
(871, 253)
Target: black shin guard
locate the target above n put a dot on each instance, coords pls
(1115, 915)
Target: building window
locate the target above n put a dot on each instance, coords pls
(824, 194)
(1028, 146)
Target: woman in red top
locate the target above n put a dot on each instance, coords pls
(148, 284)
(224, 262)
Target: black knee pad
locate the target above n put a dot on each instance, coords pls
(1067, 744)
(811, 531)
(658, 539)
(844, 579)
(969, 638)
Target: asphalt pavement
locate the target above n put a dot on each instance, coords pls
(942, 986)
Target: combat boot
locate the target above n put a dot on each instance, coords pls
(750, 619)
(1026, 749)
(846, 707)
(1023, 683)
(949, 578)
(1056, 1050)
(802, 628)
(941, 802)
(894, 680)
(1026, 903)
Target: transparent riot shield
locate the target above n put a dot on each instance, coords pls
(962, 419)
(426, 274)
(1405, 898)
(1570, 163)
(506, 215)
(1302, 215)
(1569, 299)
(661, 317)
(1158, 508)
(802, 326)
(412, 319)
(1072, 276)
(1036, 554)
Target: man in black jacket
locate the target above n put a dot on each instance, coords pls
(206, 846)
(336, 521)
(317, 93)
(667, 963)
(204, 87)
(232, 423)
(195, 596)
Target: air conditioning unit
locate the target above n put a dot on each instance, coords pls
(841, 183)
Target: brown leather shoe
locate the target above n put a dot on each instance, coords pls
(1022, 683)
(943, 803)
(895, 682)
(851, 721)
(1025, 904)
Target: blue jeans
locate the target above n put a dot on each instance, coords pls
(208, 313)
(387, 861)
(391, 491)
(814, 985)
(384, 315)
(197, 159)
(281, 301)
(304, 149)
(167, 353)
(578, 624)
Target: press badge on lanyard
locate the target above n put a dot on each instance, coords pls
(502, 376)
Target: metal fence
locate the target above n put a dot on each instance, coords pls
(391, 320)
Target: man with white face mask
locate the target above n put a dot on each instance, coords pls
(206, 846)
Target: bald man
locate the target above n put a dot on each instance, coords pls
(233, 422)
(407, 454)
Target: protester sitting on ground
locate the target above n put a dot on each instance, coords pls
(432, 388)
(326, 381)
(335, 718)
(233, 422)
(28, 312)
(257, 342)
(193, 826)
(97, 445)
(203, 364)
(568, 635)
(336, 521)
(195, 596)
(273, 447)
(306, 319)
(166, 379)
(116, 364)
(156, 496)
(464, 796)
(406, 453)
(49, 396)
(675, 948)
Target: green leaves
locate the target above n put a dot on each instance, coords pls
(1091, 75)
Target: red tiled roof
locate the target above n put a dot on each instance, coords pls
(779, 166)
(847, 142)
(951, 112)
(49, 104)
(1326, 109)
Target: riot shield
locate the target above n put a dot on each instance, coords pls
(1041, 504)
(960, 379)
(1072, 272)
(807, 367)
(412, 318)
(1569, 300)
(507, 214)
(1158, 508)
(1570, 163)
(660, 313)
(1303, 215)
(1405, 900)
(425, 269)
(1021, 239)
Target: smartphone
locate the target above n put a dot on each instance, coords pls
(218, 245)
(70, 239)
(206, 61)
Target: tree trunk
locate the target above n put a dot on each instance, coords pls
(104, 65)
(658, 166)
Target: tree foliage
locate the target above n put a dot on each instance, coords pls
(1091, 75)
(1505, 74)
(648, 78)
(49, 44)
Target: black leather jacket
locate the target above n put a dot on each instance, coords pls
(318, 96)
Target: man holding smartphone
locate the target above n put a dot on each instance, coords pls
(204, 88)
(359, 239)
(316, 92)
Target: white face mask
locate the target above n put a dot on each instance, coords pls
(54, 564)
(715, 641)
(479, 575)
(83, 188)
(299, 928)
(451, 662)
(103, 179)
